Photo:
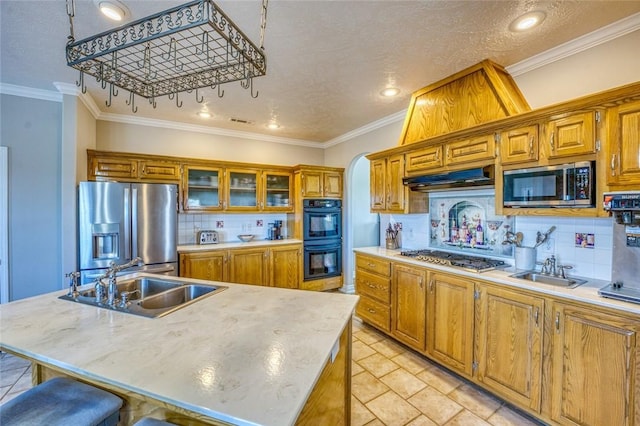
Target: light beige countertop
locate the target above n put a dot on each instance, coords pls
(248, 355)
(188, 248)
(587, 292)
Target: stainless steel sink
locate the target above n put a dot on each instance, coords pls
(151, 297)
(549, 279)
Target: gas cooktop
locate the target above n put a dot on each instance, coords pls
(470, 263)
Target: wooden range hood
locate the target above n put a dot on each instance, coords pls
(476, 95)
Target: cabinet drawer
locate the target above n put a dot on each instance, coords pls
(374, 312)
(373, 286)
(424, 159)
(371, 264)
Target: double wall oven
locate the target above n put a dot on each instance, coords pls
(322, 235)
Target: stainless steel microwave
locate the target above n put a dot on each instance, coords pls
(565, 185)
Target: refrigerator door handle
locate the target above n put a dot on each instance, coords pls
(127, 224)
(134, 223)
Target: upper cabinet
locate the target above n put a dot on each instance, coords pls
(202, 188)
(277, 191)
(388, 193)
(320, 182)
(131, 168)
(242, 190)
(624, 145)
(475, 149)
(519, 145)
(572, 135)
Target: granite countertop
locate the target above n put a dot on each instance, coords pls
(186, 248)
(587, 292)
(247, 355)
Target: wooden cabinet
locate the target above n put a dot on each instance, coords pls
(242, 189)
(378, 184)
(158, 170)
(373, 284)
(430, 158)
(248, 266)
(207, 265)
(408, 305)
(595, 365)
(450, 321)
(387, 190)
(476, 149)
(509, 341)
(202, 188)
(285, 266)
(519, 145)
(318, 182)
(624, 145)
(277, 191)
(131, 168)
(572, 135)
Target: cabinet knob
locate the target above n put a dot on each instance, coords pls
(371, 311)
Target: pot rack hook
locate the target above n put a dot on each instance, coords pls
(201, 97)
(131, 101)
(112, 92)
(178, 101)
(80, 83)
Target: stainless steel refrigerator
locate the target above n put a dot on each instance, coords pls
(120, 221)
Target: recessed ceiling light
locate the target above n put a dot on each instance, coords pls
(390, 92)
(527, 21)
(112, 9)
(204, 114)
(273, 126)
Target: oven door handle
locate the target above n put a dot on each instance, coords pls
(323, 247)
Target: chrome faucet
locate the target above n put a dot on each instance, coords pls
(549, 266)
(73, 284)
(112, 288)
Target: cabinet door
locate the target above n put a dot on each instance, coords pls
(285, 266)
(519, 145)
(424, 159)
(248, 266)
(312, 184)
(573, 135)
(159, 170)
(202, 188)
(480, 148)
(332, 184)
(594, 368)
(377, 183)
(450, 321)
(624, 139)
(204, 265)
(105, 168)
(408, 317)
(395, 188)
(509, 344)
(276, 191)
(242, 189)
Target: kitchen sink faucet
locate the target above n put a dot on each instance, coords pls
(112, 289)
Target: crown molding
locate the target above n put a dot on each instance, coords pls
(166, 124)
(30, 92)
(602, 35)
(85, 98)
(367, 128)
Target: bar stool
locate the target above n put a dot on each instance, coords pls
(62, 402)
(149, 421)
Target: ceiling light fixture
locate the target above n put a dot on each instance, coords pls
(112, 9)
(390, 92)
(184, 48)
(527, 21)
(273, 126)
(204, 114)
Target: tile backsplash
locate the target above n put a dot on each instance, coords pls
(228, 226)
(588, 260)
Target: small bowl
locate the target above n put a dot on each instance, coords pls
(245, 237)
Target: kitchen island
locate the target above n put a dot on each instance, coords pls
(247, 355)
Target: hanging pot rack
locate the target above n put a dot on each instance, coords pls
(184, 48)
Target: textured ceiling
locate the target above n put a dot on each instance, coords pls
(326, 60)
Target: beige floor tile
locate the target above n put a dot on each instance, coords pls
(10, 362)
(422, 420)
(388, 348)
(478, 402)
(9, 377)
(378, 364)
(411, 362)
(365, 387)
(508, 417)
(360, 415)
(368, 335)
(360, 350)
(435, 405)
(356, 368)
(24, 383)
(392, 410)
(375, 422)
(439, 379)
(466, 418)
(403, 383)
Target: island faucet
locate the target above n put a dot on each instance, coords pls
(112, 288)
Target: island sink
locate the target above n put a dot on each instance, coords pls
(149, 297)
(549, 279)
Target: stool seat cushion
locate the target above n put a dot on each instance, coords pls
(148, 421)
(61, 401)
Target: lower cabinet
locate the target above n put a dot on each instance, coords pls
(450, 321)
(373, 284)
(278, 266)
(509, 338)
(408, 305)
(595, 368)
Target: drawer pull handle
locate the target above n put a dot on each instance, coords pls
(371, 311)
(531, 146)
(558, 321)
(536, 315)
(551, 141)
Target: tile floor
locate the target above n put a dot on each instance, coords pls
(391, 385)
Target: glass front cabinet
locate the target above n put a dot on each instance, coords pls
(276, 187)
(203, 188)
(242, 189)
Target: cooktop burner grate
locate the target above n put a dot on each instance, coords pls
(471, 263)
